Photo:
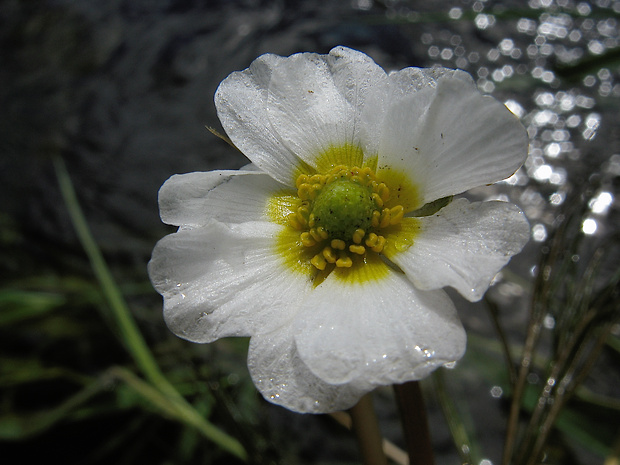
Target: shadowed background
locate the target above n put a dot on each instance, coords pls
(122, 91)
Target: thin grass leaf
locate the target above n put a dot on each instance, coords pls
(460, 425)
(134, 342)
(17, 305)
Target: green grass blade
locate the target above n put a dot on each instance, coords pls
(132, 338)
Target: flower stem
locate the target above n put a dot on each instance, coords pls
(415, 423)
(366, 428)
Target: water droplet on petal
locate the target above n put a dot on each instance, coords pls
(402, 243)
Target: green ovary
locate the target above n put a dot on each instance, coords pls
(343, 207)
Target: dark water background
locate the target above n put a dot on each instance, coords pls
(122, 91)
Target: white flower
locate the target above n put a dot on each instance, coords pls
(344, 156)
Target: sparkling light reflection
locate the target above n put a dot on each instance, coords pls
(601, 203)
(589, 226)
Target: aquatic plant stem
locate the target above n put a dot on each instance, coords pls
(503, 339)
(462, 431)
(567, 386)
(367, 432)
(533, 334)
(415, 423)
(131, 336)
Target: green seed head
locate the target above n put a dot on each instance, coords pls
(342, 207)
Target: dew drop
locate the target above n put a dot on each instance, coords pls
(403, 243)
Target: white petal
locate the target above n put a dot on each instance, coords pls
(464, 245)
(447, 136)
(241, 102)
(383, 331)
(194, 199)
(405, 99)
(225, 280)
(316, 101)
(284, 110)
(282, 378)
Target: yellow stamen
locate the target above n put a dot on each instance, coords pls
(376, 219)
(294, 222)
(340, 251)
(344, 261)
(367, 172)
(396, 214)
(385, 218)
(306, 239)
(380, 244)
(338, 244)
(384, 192)
(302, 215)
(315, 235)
(378, 200)
(358, 235)
(314, 190)
(322, 233)
(304, 191)
(371, 240)
(319, 261)
(303, 178)
(316, 179)
(329, 255)
(358, 249)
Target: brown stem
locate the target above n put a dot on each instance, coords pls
(366, 428)
(415, 423)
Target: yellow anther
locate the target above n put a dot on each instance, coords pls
(294, 222)
(371, 240)
(378, 200)
(385, 218)
(329, 255)
(311, 220)
(322, 233)
(301, 179)
(383, 191)
(344, 261)
(368, 172)
(303, 191)
(376, 219)
(302, 215)
(314, 190)
(316, 179)
(358, 180)
(396, 214)
(380, 244)
(373, 185)
(355, 170)
(306, 239)
(319, 262)
(315, 235)
(338, 244)
(358, 235)
(358, 249)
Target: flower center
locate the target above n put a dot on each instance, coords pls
(341, 214)
(343, 207)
